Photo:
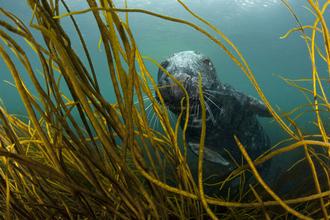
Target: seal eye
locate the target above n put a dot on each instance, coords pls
(207, 62)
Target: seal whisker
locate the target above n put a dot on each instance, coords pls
(213, 103)
(195, 111)
(145, 98)
(198, 110)
(156, 123)
(146, 109)
(215, 92)
(207, 92)
(151, 120)
(210, 113)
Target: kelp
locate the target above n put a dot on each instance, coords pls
(107, 163)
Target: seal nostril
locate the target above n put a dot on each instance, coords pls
(187, 82)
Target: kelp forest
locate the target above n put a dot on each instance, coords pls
(77, 156)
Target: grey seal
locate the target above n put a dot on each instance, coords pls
(229, 111)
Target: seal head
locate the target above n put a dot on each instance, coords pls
(229, 111)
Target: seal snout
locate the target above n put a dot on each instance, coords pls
(191, 87)
(184, 67)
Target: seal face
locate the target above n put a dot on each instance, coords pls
(229, 111)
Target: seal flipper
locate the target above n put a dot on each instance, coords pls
(258, 107)
(227, 93)
(209, 154)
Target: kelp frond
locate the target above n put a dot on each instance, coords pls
(106, 162)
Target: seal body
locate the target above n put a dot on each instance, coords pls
(229, 111)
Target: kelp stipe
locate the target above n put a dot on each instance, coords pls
(53, 168)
